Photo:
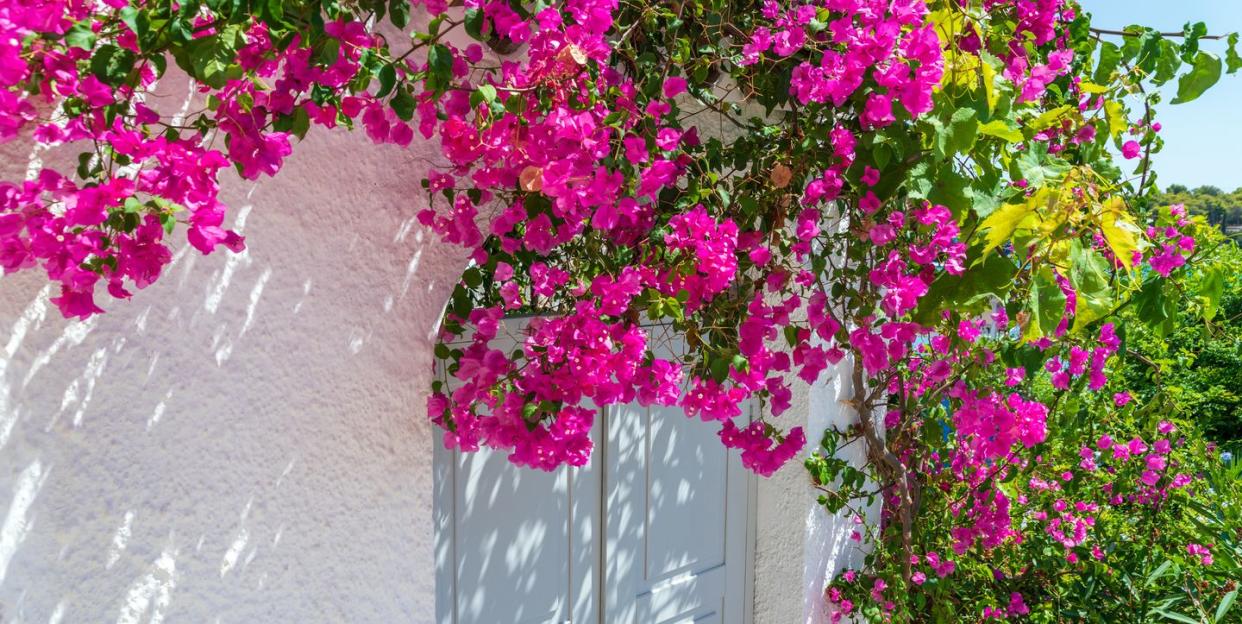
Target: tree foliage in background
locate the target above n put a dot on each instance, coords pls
(1219, 207)
(1136, 499)
(1192, 362)
(920, 195)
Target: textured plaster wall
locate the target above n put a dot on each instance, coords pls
(244, 441)
(799, 546)
(829, 546)
(781, 513)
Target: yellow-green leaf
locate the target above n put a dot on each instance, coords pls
(948, 25)
(1120, 230)
(1000, 130)
(1050, 118)
(959, 69)
(988, 72)
(1117, 122)
(1000, 225)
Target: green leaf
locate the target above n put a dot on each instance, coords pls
(80, 36)
(474, 23)
(1046, 304)
(1143, 50)
(719, 368)
(1158, 572)
(403, 103)
(299, 122)
(111, 64)
(960, 132)
(1191, 34)
(1177, 617)
(1157, 310)
(485, 93)
(940, 185)
(1169, 62)
(327, 51)
(387, 75)
(85, 167)
(1039, 168)
(129, 15)
(1212, 288)
(160, 63)
(969, 292)
(1205, 73)
(951, 189)
(1225, 603)
(674, 309)
(439, 66)
(986, 197)
(213, 59)
(399, 12)
(1110, 57)
(740, 363)
(529, 410)
(1233, 62)
(274, 11)
(1089, 276)
(613, 119)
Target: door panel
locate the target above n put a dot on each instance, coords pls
(675, 520)
(515, 544)
(685, 483)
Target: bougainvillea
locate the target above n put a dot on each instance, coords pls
(922, 193)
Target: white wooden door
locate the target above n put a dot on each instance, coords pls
(513, 544)
(655, 529)
(676, 522)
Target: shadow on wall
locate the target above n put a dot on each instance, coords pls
(244, 440)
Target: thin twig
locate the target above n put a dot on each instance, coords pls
(1139, 33)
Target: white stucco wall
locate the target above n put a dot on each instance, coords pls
(244, 441)
(828, 548)
(799, 546)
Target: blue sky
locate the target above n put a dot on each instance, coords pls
(1203, 138)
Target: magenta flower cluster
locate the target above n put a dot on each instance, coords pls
(559, 158)
(113, 229)
(581, 194)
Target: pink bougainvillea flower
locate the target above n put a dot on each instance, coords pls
(674, 86)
